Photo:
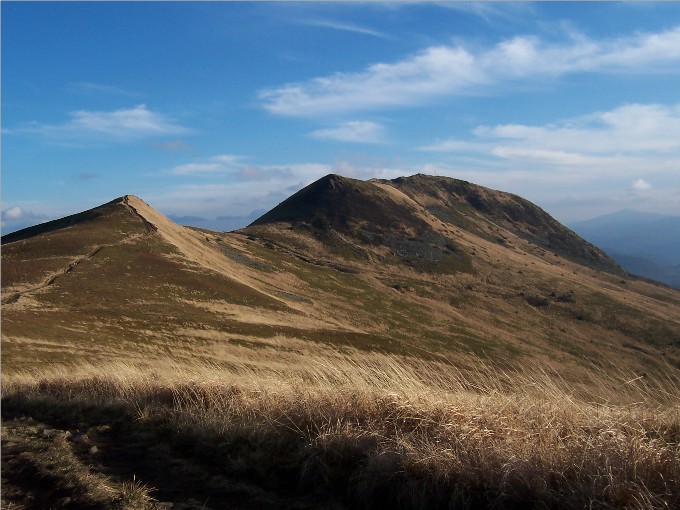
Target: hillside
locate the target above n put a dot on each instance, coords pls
(421, 265)
(333, 354)
(479, 209)
(419, 212)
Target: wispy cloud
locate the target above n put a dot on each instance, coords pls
(641, 185)
(233, 168)
(342, 26)
(221, 164)
(449, 70)
(99, 89)
(433, 72)
(120, 125)
(244, 187)
(599, 155)
(17, 217)
(640, 130)
(491, 11)
(357, 131)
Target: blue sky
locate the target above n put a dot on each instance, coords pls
(213, 109)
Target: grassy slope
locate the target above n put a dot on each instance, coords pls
(117, 288)
(359, 430)
(506, 297)
(333, 377)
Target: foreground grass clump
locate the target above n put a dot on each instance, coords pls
(375, 431)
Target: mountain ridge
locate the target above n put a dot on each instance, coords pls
(365, 210)
(358, 264)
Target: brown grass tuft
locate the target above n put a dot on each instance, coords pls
(378, 431)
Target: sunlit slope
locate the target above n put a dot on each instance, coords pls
(409, 266)
(488, 272)
(122, 280)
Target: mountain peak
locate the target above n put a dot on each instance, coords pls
(90, 215)
(404, 210)
(340, 203)
(125, 213)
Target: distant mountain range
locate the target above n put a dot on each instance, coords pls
(645, 244)
(220, 223)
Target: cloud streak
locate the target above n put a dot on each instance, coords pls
(353, 131)
(244, 187)
(641, 185)
(630, 131)
(120, 125)
(96, 89)
(620, 150)
(221, 164)
(450, 70)
(17, 217)
(343, 26)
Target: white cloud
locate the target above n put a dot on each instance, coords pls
(343, 26)
(174, 146)
(448, 70)
(17, 217)
(90, 88)
(369, 168)
(242, 189)
(629, 129)
(197, 168)
(623, 138)
(127, 124)
(641, 185)
(12, 213)
(357, 131)
(491, 11)
(543, 156)
(435, 71)
(597, 155)
(453, 145)
(221, 164)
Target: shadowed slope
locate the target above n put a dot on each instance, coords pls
(477, 208)
(401, 215)
(359, 220)
(96, 214)
(343, 204)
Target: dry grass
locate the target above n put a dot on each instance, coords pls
(377, 431)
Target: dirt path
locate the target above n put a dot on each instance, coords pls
(13, 297)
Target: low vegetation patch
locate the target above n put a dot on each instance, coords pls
(367, 430)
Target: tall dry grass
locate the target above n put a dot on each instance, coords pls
(378, 431)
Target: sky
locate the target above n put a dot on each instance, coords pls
(213, 112)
